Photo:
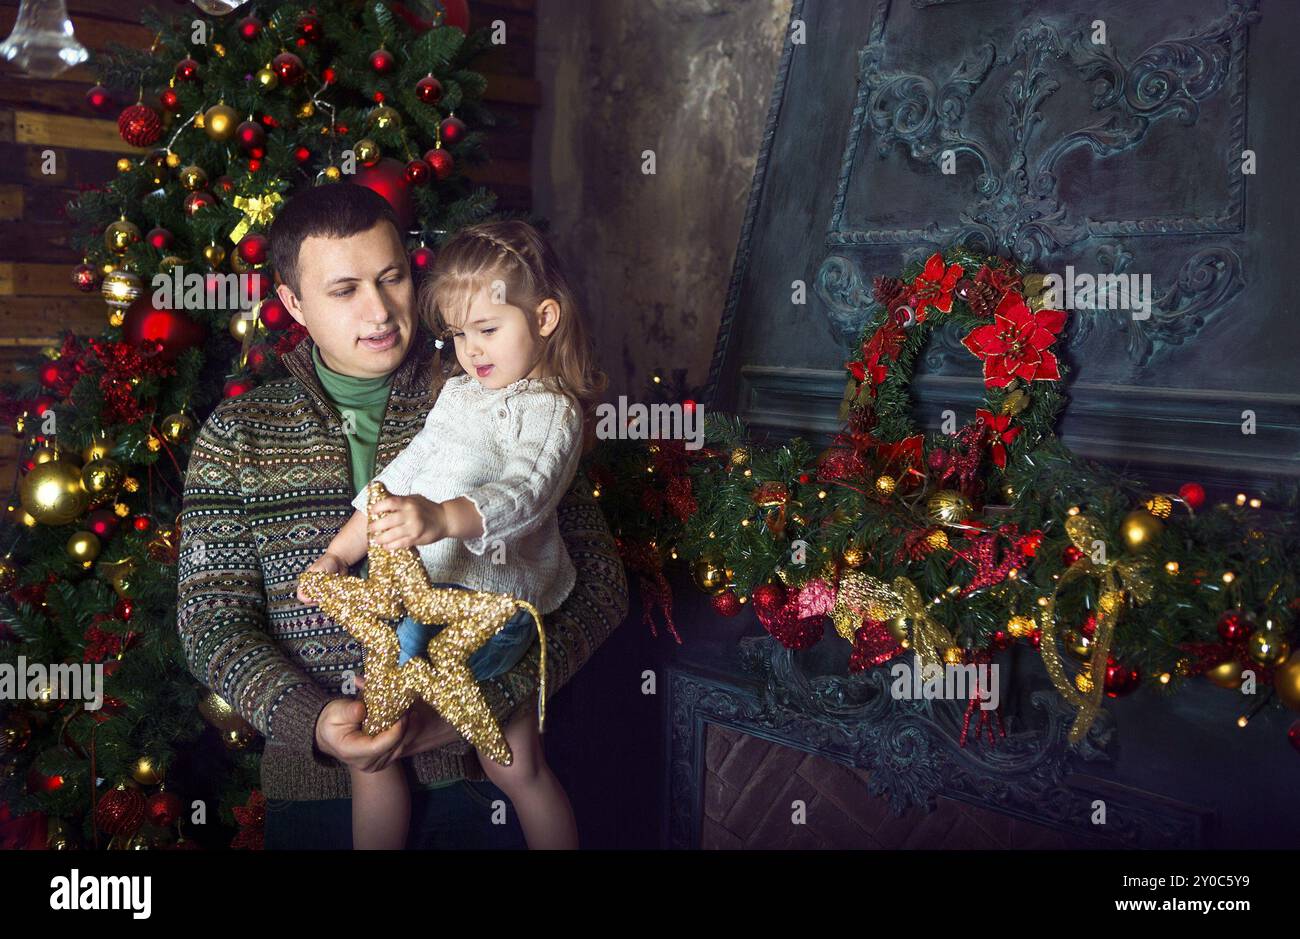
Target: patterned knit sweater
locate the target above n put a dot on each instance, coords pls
(268, 486)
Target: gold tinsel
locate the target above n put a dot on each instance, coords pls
(398, 585)
(861, 595)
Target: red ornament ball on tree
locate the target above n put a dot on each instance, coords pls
(440, 161)
(99, 98)
(1193, 494)
(302, 154)
(145, 326)
(327, 75)
(417, 172)
(159, 238)
(164, 809)
(1120, 679)
(275, 315)
(382, 61)
(187, 69)
(141, 523)
(123, 609)
(102, 523)
(120, 811)
(769, 597)
(258, 357)
(388, 178)
(725, 603)
(250, 135)
(140, 125)
(453, 130)
(169, 99)
(85, 277)
(1233, 625)
(422, 259)
(249, 28)
(237, 386)
(197, 201)
(429, 90)
(254, 248)
(288, 67)
(1071, 554)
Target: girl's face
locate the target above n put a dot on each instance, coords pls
(499, 343)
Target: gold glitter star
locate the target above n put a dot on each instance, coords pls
(398, 585)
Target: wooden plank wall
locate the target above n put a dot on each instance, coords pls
(37, 299)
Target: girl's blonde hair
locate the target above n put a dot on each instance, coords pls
(517, 254)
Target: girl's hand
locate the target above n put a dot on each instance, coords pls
(408, 521)
(330, 564)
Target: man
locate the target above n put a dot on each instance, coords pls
(271, 481)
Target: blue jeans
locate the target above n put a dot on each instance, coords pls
(455, 817)
(495, 657)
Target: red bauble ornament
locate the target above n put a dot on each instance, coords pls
(99, 98)
(223, 186)
(140, 523)
(146, 326)
(250, 136)
(388, 178)
(159, 238)
(327, 75)
(302, 154)
(440, 161)
(54, 374)
(378, 97)
(197, 201)
(725, 603)
(382, 61)
(275, 315)
(258, 357)
(1071, 554)
(120, 811)
(1002, 639)
(139, 125)
(429, 90)
(769, 597)
(187, 69)
(288, 67)
(417, 172)
(85, 278)
(260, 282)
(309, 27)
(1233, 625)
(254, 164)
(1120, 679)
(453, 130)
(237, 386)
(123, 609)
(164, 809)
(249, 28)
(1193, 494)
(102, 523)
(169, 99)
(422, 259)
(254, 248)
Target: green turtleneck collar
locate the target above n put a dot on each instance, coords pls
(347, 391)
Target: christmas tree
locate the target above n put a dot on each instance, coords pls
(233, 115)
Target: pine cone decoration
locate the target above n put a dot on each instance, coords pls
(890, 291)
(982, 299)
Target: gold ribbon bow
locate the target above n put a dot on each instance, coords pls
(861, 595)
(398, 585)
(258, 210)
(1114, 577)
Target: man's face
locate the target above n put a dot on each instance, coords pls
(357, 302)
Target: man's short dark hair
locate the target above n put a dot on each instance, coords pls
(333, 210)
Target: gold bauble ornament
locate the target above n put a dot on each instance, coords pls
(45, 454)
(305, 110)
(52, 493)
(120, 289)
(897, 628)
(240, 326)
(854, 556)
(885, 485)
(119, 236)
(739, 456)
(710, 576)
(952, 655)
(937, 539)
(947, 506)
(83, 546)
(172, 159)
(214, 254)
(1226, 674)
(1020, 626)
(266, 78)
(146, 771)
(99, 446)
(1140, 528)
(176, 428)
(167, 263)
(238, 264)
(1077, 644)
(1160, 506)
(1286, 682)
(116, 318)
(100, 478)
(384, 118)
(124, 165)
(194, 178)
(1267, 647)
(367, 152)
(131, 484)
(332, 173)
(219, 121)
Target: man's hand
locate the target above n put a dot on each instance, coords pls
(407, 521)
(339, 734)
(330, 564)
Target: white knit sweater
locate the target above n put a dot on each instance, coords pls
(513, 452)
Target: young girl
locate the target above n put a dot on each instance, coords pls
(476, 489)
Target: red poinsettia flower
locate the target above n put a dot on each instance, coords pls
(933, 287)
(1002, 431)
(999, 278)
(907, 452)
(885, 342)
(1016, 343)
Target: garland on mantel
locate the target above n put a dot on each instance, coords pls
(958, 545)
